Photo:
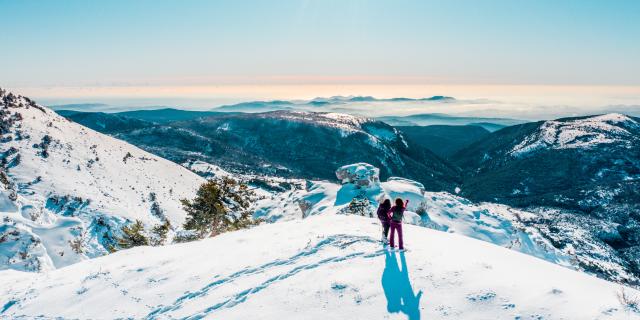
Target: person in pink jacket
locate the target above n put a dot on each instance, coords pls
(395, 215)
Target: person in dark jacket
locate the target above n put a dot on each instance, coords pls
(395, 214)
(383, 215)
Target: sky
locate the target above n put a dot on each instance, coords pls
(209, 52)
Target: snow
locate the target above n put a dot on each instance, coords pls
(69, 188)
(206, 170)
(327, 266)
(58, 205)
(347, 124)
(384, 133)
(497, 224)
(361, 174)
(88, 184)
(578, 133)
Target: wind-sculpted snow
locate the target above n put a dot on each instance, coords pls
(328, 266)
(71, 189)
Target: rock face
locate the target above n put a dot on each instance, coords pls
(361, 174)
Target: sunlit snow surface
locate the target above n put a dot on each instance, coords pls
(578, 133)
(89, 184)
(494, 223)
(314, 262)
(327, 266)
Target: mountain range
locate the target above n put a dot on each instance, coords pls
(67, 190)
(576, 173)
(429, 119)
(291, 144)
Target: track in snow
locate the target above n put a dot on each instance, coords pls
(299, 263)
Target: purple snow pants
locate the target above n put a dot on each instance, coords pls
(396, 226)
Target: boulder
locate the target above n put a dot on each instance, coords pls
(361, 174)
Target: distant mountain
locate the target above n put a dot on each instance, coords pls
(335, 103)
(587, 166)
(105, 122)
(82, 107)
(491, 127)
(343, 99)
(428, 119)
(444, 140)
(256, 106)
(153, 115)
(291, 144)
(166, 115)
(560, 162)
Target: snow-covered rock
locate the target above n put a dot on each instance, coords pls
(497, 224)
(361, 174)
(328, 266)
(67, 190)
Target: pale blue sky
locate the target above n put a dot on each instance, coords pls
(183, 43)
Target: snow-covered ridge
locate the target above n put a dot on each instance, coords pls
(346, 122)
(579, 133)
(376, 133)
(493, 223)
(67, 189)
(324, 267)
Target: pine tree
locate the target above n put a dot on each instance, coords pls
(133, 236)
(219, 206)
(360, 206)
(159, 233)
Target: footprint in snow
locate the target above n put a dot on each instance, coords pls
(556, 291)
(339, 286)
(480, 297)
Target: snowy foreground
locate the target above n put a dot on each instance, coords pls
(324, 267)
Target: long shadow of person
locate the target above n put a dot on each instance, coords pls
(397, 287)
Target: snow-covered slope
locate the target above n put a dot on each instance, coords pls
(580, 133)
(497, 224)
(585, 169)
(324, 267)
(67, 189)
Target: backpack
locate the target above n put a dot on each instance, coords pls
(382, 213)
(397, 214)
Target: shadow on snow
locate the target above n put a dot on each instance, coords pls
(397, 287)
